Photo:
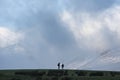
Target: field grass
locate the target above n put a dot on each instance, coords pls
(53, 74)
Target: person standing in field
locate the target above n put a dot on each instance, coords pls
(62, 66)
(58, 65)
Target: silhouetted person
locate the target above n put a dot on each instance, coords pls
(58, 65)
(62, 66)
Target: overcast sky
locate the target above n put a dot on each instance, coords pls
(82, 34)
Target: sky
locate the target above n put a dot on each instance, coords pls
(81, 34)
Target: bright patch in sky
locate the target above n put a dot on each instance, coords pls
(90, 31)
(9, 37)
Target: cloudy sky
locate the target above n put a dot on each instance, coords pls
(82, 34)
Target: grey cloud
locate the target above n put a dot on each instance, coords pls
(46, 39)
(24, 12)
(88, 5)
(23, 16)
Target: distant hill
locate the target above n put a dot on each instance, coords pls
(53, 74)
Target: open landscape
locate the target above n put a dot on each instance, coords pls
(54, 74)
(59, 39)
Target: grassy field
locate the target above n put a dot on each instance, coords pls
(58, 75)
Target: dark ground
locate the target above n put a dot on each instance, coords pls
(54, 74)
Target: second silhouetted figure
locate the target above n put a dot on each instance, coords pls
(62, 66)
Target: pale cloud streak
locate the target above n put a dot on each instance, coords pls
(9, 37)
